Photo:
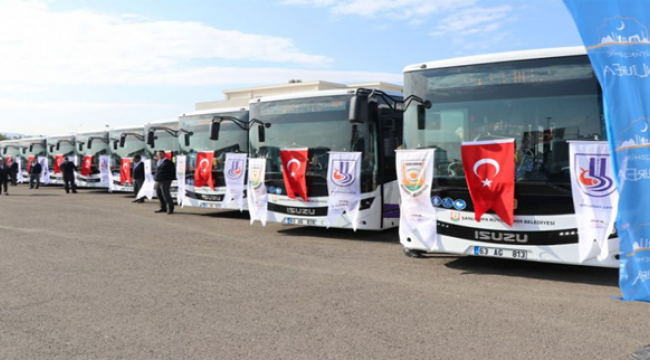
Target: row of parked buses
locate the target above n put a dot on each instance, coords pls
(542, 98)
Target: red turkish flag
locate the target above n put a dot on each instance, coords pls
(8, 160)
(203, 170)
(86, 165)
(125, 171)
(294, 165)
(490, 174)
(29, 163)
(168, 155)
(58, 160)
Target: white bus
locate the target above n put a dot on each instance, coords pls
(364, 120)
(90, 146)
(542, 98)
(126, 143)
(59, 147)
(232, 137)
(11, 150)
(32, 147)
(162, 136)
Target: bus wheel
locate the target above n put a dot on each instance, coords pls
(417, 254)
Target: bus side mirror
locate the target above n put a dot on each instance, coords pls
(122, 141)
(51, 148)
(31, 147)
(90, 144)
(58, 146)
(358, 109)
(151, 141)
(261, 133)
(115, 145)
(214, 131)
(81, 147)
(421, 116)
(187, 139)
(4, 150)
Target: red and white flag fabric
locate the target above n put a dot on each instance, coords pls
(8, 161)
(30, 159)
(203, 170)
(125, 171)
(294, 166)
(86, 165)
(58, 160)
(168, 155)
(490, 174)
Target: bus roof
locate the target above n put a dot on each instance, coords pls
(123, 128)
(312, 94)
(216, 111)
(499, 57)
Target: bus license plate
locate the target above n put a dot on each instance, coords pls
(502, 253)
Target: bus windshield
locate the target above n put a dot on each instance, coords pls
(132, 145)
(540, 103)
(99, 146)
(232, 138)
(317, 123)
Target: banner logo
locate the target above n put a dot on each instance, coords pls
(591, 172)
(413, 175)
(342, 175)
(621, 30)
(256, 176)
(236, 169)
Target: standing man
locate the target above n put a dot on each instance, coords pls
(165, 174)
(138, 177)
(68, 169)
(4, 176)
(35, 174)
(13, 171)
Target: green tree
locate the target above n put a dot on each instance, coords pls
(3, 137)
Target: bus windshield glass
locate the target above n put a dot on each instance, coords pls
(99, 146)
(317, 123)
(232, 138)
(132, 145)
(540, 103)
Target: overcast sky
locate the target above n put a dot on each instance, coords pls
(68, 65)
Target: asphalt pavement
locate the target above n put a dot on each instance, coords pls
(94, 276)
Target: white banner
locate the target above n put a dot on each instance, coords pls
(344, 186)
(258, 198)
(45, 170)
(234, 171)
(595, 197)
(73, 159)
(417, 214)
(104, 171)
(147, 189)
(19, 176)
(181, 161)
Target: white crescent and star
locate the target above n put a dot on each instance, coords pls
(492, 162)
(204, 169)
(293, 173)
(645, 127)
(622, 26)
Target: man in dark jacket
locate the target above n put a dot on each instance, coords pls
(165, 174)
(4, 176)
(68, 169)
(35, 174)
(13, 172)
(138, 177)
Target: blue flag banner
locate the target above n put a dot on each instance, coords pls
(615, 33)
